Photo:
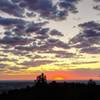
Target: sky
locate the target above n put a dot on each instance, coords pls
(58, 37)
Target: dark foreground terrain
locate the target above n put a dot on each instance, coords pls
(55, 91)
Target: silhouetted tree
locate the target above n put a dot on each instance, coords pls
(41, 79)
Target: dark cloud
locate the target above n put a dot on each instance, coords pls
(79, 63)
(14, 25)
(91, 50)
(57, 43)
(97, 7)
(35, 27)
(46, 8)
(14, 51)
(36, 56)
(88, 38)
(42, 37)
(43, 46)
(97, 0)
(61, 53)
(65, 55)
(11, 8)
(31, 14)
(23, 48)
(90, 25)
(11, 21)
(7, 59)
(2, 66)
(54, 32)
(15, 40)
(43, 31)
(36, 63)
(20, 26)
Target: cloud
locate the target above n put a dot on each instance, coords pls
(54, 32)
(43, 46)
(97, 7)
(34, 26)
(57, 43)
(97, 0)
(14, 40)
(21, 26)
(37, 63)
(43, 31)
(46, 8)
(79, 63)
(61, 53)
(7, 59)
(2, 66)
(91, 50)
(88, 40)
(11, 21)
(65, 55)
(13, 51)
(42, 37)
(90, 25)
(11, 8)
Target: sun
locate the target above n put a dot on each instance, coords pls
(59, 78)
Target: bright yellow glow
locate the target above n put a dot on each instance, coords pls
(59, 78)
(87, 66)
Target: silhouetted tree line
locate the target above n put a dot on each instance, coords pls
(42, 90)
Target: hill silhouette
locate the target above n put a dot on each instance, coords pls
(41, 90)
